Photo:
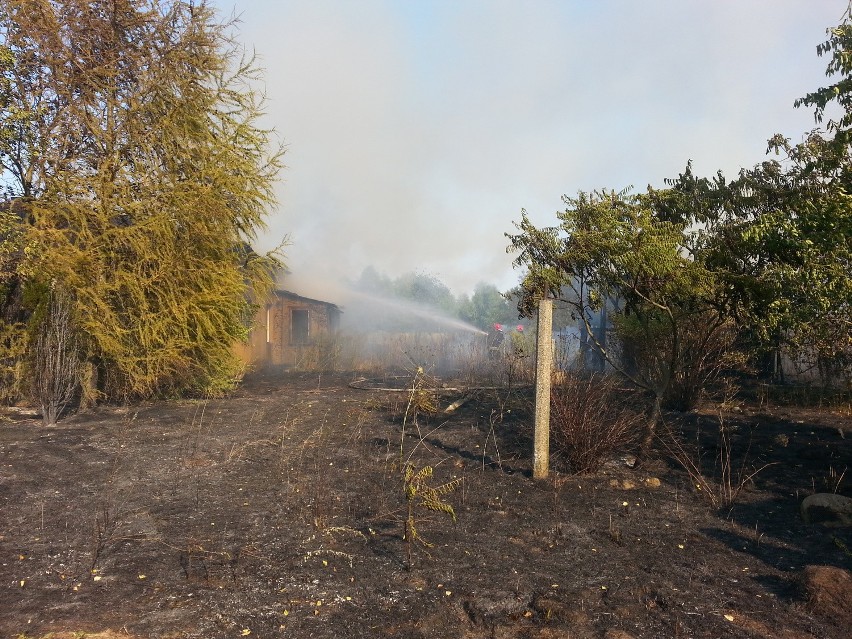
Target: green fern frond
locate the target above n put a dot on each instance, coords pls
(418, 493)
(450, 486)
(422, 475)
(439, 506)
(417, 477)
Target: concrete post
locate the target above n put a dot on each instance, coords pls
(543, 368)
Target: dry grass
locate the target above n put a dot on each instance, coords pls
(719, 478)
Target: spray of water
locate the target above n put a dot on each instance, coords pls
(427, 318)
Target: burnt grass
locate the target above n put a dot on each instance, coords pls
(279, 512)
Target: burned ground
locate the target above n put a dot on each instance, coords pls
(279, 512)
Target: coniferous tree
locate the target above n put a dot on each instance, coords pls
(130, 131)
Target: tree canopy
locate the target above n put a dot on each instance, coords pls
(767, 254)
(620, 253)
(486, 307)
(136, 174)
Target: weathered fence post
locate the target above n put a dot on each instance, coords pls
(543, 368)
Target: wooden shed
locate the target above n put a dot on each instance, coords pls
(288, 329)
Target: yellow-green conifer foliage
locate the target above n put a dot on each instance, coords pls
(131, 128)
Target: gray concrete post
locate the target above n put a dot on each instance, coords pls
(543, 368)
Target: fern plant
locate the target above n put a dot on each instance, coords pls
(419, 494)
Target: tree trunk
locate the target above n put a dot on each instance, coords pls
(651, 426)
(49, 414)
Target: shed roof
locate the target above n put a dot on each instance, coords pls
(294, 296)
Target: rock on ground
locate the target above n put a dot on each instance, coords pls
(827, 509)
(828, 591)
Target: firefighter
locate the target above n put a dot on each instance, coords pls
(495, 341)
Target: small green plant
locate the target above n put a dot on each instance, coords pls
(419, 494)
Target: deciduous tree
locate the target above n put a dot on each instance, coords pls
(623, 251)
(779, 236)
(486, 307)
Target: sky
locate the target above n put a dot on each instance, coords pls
(416, 131)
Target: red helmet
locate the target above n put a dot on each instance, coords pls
(520, 328)
(498, 327)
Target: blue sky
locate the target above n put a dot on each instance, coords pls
(416, 131)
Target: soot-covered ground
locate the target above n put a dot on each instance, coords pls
(279, 512)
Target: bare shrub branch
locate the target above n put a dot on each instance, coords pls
(589, 421)
(55, 362)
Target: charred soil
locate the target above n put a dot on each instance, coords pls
(279, 512)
